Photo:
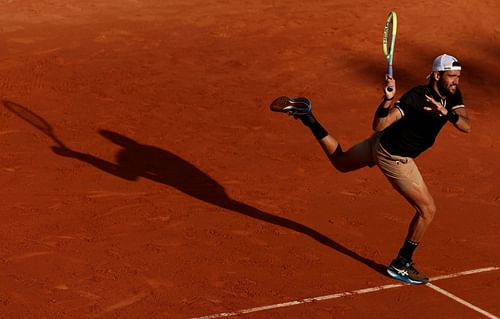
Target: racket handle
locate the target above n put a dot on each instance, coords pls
(389, 73)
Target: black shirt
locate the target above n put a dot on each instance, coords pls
(416, 131)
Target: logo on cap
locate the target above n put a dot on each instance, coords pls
(445, 62)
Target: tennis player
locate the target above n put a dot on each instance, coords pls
(402, 132)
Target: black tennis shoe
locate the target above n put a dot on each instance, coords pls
(402, 269)
(295, 106)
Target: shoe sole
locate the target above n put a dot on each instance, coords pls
(291, 105)
(406, 279)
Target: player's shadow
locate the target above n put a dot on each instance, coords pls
(136, 160)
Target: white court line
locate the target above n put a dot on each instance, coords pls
(460, 300)
(343, 294)
(464, 273)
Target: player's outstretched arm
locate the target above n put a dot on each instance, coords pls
(457, 117)
(386, 114)
(463, 122)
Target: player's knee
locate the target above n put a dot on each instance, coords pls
(427, 212)
(341, 167)
(340, 163)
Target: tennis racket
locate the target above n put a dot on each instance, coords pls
(34, 119)
(389, 41)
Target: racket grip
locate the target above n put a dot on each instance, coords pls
(389, 73)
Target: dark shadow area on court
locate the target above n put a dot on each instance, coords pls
(135, 160)
(33, 119)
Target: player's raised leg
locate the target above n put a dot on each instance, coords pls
(358, 156)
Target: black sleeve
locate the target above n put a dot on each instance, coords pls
(458, 100)
(408, 103)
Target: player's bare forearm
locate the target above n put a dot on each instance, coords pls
(458, 117)
(463, 123)
(385, 116)
(378, 118)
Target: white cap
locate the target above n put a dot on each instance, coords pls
(445, 62)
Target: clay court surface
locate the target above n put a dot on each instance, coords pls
(169, 190)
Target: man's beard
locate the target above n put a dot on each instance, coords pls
(445, 90)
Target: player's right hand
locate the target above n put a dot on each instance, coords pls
(389, 87)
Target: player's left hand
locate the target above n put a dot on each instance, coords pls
(434, 106)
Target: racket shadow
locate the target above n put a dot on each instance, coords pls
(135, 160)
(33, 119)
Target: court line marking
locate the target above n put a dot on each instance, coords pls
(464, 273)
(460, 300)
(342, 294)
